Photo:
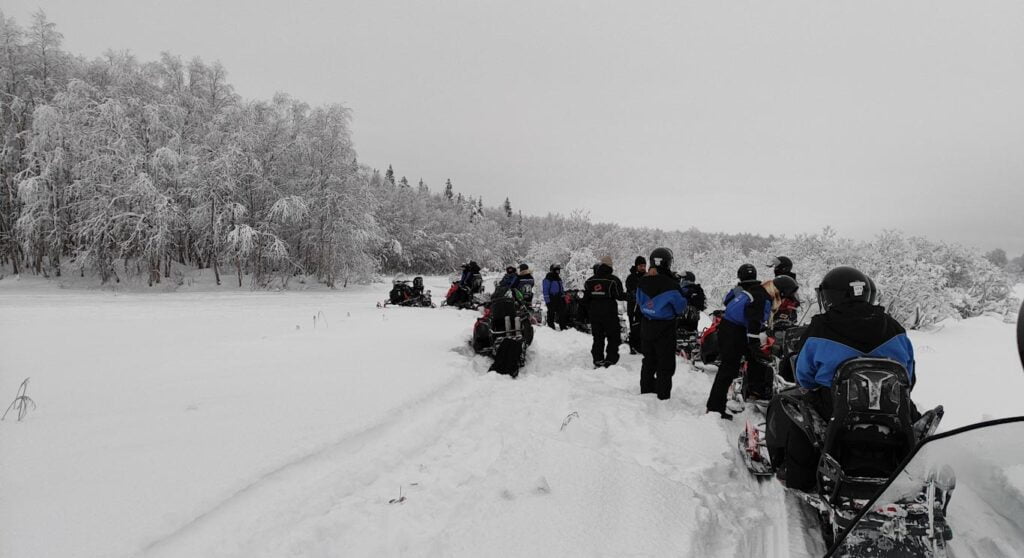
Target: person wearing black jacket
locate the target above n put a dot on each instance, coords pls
(740, 334)
(524, 284)
(601, 295)
(850, 327)
(696, 302)
(661, 303)
(638, 270)
(788, 311)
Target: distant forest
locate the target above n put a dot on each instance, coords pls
(122, 169)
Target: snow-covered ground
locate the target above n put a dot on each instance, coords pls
(227, 424)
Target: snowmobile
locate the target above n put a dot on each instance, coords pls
(406, 293)
(466, 296)
(884, 485)
(503, 332)
(786, 348)
(708, 340)
(870, 433)
(688, 341)
(916, 514)
(577, 311)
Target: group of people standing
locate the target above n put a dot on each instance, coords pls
(662, 302)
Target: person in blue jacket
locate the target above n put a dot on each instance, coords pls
(850, 327)
(660, 302)
(554, 297)
(740, 336)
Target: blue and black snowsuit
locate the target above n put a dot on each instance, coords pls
(845, 332)
(554, 298)
(524, 285)
(660, 303)
(471, 279)
(747, 309)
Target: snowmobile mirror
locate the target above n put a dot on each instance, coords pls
(958, 492)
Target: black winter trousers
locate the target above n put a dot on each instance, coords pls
(658, 344)
(634, 316)
(607, 338)
(557, 312)
(732, 343)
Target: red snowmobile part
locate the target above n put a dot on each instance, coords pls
(753, 442)
(715, 321)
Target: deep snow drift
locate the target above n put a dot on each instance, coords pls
(226, 424)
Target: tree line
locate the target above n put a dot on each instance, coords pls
(122, 169)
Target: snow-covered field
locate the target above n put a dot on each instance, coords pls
(227, 424)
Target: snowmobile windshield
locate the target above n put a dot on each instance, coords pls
(399, 279)
(960, 494)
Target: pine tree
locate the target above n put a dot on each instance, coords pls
(448, 192)
(403, 183)
(390, 175)
(423, 188)
(508, 208)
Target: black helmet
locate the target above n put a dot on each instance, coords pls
(555, 267)
(523, 267)
(782, 265)
(746, 272)
(661, 258)
(689, 276)
(843, 285)
(510, 269)
(786, 285)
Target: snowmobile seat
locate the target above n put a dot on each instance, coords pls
(871, 430)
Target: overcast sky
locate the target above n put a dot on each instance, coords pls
(766, 117)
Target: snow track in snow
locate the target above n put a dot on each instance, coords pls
(486, 467)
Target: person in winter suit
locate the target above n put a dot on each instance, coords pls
(524, 284)
(470, 278)
(740, 334)
(783, 266)
(661, 303)
(638, 270)
(850, 327)
(696, 302)
(554, 297)
(601, 295)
